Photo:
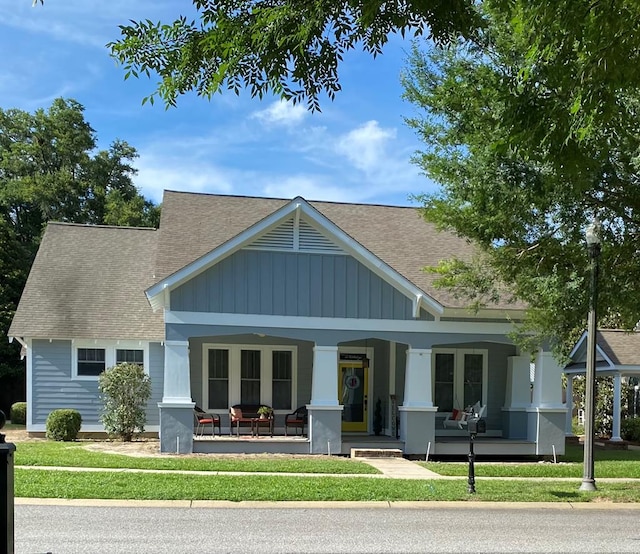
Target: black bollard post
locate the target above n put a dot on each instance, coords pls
(472, 471)
(6, 492)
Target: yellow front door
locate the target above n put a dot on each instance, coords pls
(354, 383)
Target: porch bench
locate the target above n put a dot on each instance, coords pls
(244, 415)
(458, 418)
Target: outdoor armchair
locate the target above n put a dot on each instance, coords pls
(203, 419)
(297, 419)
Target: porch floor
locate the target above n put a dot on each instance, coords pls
(457, 446)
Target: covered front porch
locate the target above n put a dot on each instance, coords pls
(353, 387)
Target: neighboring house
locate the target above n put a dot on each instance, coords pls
(617, 355)
(285, 303)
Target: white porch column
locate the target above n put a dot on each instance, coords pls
(617, 389)
(177, 381)
(518, 393)
(324, 382)
(176, 408)
(548, 415)
(517, 397)
(418, 382)
(547, 386)
(325, 412)
(417, 413)
(568, 428)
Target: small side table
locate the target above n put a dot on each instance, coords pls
(257, 422)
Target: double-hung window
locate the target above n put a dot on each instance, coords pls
(91, 357)
(130, 356)
(91, 362)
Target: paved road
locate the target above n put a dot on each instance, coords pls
(370, 528)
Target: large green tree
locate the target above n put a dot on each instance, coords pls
(50, 170)
(289, 47)
(532, 130)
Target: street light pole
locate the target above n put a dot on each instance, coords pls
(593, 244)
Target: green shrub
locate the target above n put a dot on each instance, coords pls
(18, 414)
(63, 425)
(125, 389)
(630, 429)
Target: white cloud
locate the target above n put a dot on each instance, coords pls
(156, 175)
(366, 146)
(281, 113)
(310, 187)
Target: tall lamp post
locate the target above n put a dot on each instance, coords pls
(592, 236)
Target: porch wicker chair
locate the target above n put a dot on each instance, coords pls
(297, 419)
(202, 419)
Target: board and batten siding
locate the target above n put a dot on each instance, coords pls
(292, 284)
(53, 388)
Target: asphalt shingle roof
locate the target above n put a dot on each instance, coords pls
(194, 224)
(622, 347)
(89, 282)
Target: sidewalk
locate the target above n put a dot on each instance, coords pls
(390, 468)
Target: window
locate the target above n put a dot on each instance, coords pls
(130, 357)
(218, 378)
(281, 382)
(460, 378)
(248, 374)
(89, 358)
(444, 389)
(91, 361)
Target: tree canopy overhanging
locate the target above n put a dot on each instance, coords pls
(529, 121)
(287, 47)
(531, 131)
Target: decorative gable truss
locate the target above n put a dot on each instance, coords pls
(296, 227)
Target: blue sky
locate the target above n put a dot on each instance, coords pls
(357, 150)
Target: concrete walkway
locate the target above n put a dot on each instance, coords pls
(400, 468)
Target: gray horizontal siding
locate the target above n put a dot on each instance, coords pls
(292, 284)
(156, 373)
(53, 388)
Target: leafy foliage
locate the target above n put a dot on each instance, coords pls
(531, 131)
(50, 170)
(630, 429)
(18, 414)
(63, 425)
(604, 402)
(288, 47)
(125, 390)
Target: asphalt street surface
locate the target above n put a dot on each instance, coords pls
(330, 528)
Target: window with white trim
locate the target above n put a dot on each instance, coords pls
(130, 356)
(459, 378)
(248, 374)
(89, 358)
(91, 361)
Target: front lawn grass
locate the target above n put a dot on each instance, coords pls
(167, 486)
(608, 464)
(73, 454)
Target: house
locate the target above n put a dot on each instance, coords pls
(285, 303)
(617, 356)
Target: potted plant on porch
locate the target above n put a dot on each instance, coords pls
(265, 412)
